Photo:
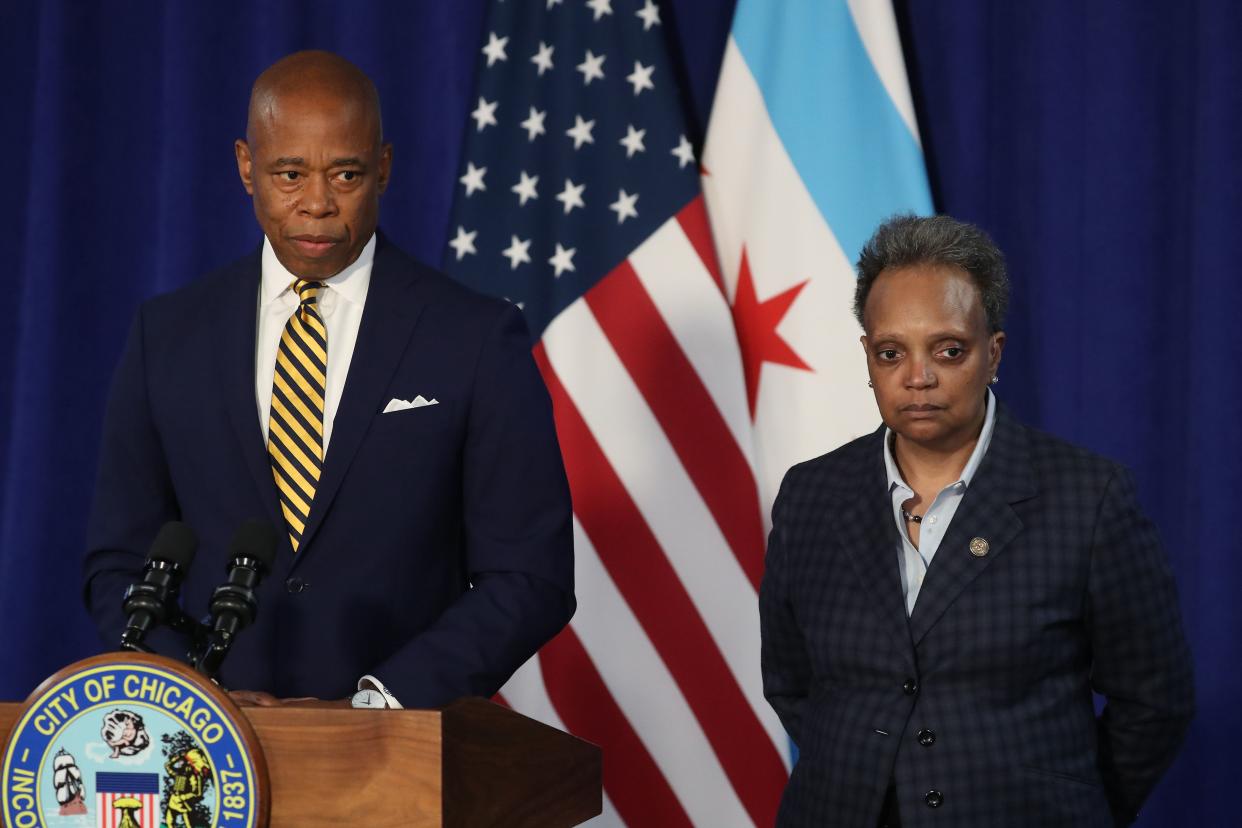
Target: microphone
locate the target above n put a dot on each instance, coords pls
(154, 599)
(233, 605)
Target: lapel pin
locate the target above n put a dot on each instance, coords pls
(978, 547)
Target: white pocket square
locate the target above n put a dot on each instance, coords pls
(402, 405)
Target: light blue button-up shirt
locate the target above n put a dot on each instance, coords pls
(913, 561)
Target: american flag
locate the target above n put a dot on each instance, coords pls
(144, 787)
(579, 199)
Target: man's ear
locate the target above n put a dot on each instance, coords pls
(244, 167)
(385, 166)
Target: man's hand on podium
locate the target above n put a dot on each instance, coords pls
(258, 698)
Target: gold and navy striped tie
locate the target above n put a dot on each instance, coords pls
(295, 425)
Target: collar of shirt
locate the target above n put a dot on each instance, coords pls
(895, 479)
(350, 284)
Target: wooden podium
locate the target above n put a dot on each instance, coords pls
(472, 763)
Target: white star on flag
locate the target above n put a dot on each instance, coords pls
(543, 58)
(624, 206)
(534, 123)
(495, 48)
(473, 179)
(600, 7)
(485, 113)
(571, 196)
(463, 243)
(633, 141)
(592, 67)
(525, 188)
(517, 252)
(684, 153)
(640, 78)
(563, 260)
(581, 132)
(650, 15)
(552, 3)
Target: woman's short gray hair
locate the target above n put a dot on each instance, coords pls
(906, 240)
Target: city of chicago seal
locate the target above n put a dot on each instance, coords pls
(131, 741)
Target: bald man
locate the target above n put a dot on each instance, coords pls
(388, 422)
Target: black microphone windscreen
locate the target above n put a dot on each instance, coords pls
(255, 539)
(175, 543)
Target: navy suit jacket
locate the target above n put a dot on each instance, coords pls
(979, 704)
(438, 553)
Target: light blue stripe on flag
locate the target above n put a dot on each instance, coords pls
(827, 103)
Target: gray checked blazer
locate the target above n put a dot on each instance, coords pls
(978, 705)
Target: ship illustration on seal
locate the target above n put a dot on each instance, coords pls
(67, 780)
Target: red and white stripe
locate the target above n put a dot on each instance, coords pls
(106, 816)
(660, 666)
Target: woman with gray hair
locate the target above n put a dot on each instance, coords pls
(942, 597)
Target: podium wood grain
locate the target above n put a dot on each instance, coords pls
(472, 763)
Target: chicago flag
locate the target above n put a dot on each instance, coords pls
(812, 143)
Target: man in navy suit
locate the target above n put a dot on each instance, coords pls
(942, 596)
(418, 488)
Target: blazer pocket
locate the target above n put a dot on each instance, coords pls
(404, 412)
(422, 422)
(1030, 770)
(436, 412)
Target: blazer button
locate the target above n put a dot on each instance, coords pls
(910, 687)
(934, 799)
(295, 585)
(927, 738)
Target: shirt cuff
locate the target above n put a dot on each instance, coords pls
(370, 682)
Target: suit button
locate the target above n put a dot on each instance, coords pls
(295, 585)
(910, 687)
(934, 799)
(927, 738)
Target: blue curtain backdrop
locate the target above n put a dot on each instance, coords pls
(1098, 142)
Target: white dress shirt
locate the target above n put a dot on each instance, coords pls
(340, 304)
(915, 560)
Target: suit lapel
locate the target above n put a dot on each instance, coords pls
(870, 537)
(236, 367)
(1004, 478)
(388, 319)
